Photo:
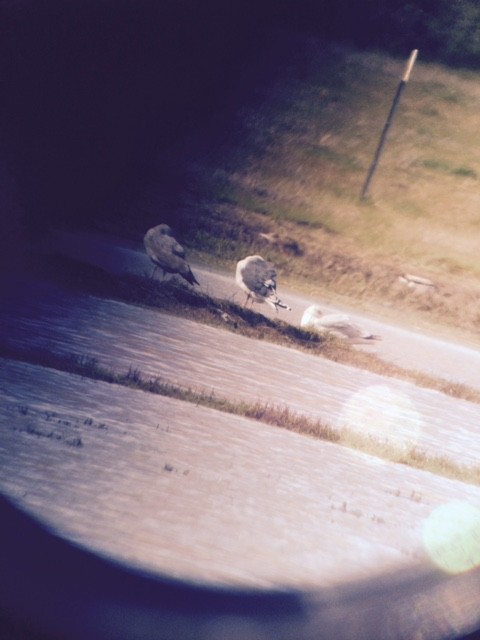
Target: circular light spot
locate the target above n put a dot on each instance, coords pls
(384, 413)
(451, 535)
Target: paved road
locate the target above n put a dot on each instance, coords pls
(411, 349)
(202, 495)
(194, 355)
(194, 493)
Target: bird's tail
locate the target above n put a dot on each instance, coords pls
(189, 277)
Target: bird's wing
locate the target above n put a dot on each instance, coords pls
(158, 242)
(341, 323)
(258, 277)
(160, 248)
(150, 242)
(270, 277)
(337, 320)
(177, 248)
(266, 278)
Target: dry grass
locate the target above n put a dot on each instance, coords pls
(295, 149)
(290, 155)
(184, 301)
(281, 417)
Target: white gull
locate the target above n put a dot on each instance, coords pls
(338, 324)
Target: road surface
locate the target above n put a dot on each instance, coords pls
(411, 349)
(197, 494)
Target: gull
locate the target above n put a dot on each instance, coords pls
(338, 324)
(257, 278)
(166, 253)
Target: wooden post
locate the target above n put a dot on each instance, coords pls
(383, 137)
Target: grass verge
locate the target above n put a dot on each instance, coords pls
(287, 160)
(278, 416)
(175, 299)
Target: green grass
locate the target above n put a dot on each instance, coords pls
(444, 167)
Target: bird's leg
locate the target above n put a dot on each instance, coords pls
(246, 300)
(154, 270)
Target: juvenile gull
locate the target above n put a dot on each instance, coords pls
(166, 253)
(257, 278)
(338, 324)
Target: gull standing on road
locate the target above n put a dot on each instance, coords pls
(338, 324)
(166, 253)
(257, 278)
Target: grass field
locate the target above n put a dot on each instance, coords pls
(288, 153)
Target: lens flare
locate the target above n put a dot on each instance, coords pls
(451, 536)
(384, 413)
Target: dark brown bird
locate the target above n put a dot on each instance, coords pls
(166, 253)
